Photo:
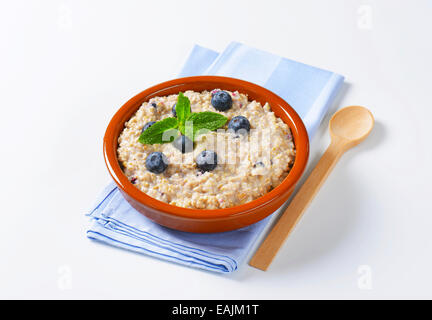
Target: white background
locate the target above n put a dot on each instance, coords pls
(67, 66)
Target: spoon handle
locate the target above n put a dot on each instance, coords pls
(286, 223)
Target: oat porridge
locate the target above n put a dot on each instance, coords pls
(242, 151)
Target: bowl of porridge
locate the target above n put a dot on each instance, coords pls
(206, 153)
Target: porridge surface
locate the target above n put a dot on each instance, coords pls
(248, 165)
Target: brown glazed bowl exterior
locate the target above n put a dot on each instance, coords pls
(202, 220)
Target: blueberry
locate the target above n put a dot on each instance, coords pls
(183, 143)
(154, 105)
(221, 100)
(174, 112)
(156, 162)
(147, 125)
(258, 164)
(239, 124)
(206, 160)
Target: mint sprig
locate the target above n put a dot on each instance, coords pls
(160, 132)
(183, 110)
(187, 122)
(203, 121)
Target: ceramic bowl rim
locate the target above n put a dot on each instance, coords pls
(296, 125)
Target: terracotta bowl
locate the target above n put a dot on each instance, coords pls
(202, 220)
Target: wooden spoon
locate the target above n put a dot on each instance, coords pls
(348, 127)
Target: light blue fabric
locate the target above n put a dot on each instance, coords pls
(308, 89)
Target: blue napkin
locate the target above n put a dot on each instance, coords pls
(308, 89)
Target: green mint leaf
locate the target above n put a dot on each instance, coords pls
(183, 110)
(203, 120)
(163, 131)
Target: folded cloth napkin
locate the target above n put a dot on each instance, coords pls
(308, 89)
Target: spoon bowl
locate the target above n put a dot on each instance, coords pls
(351, 125)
